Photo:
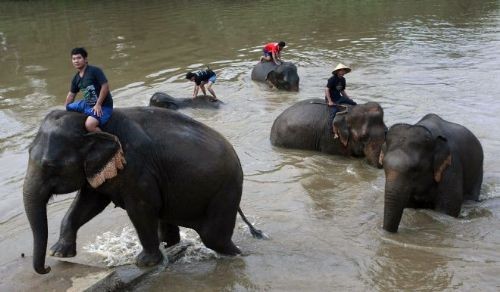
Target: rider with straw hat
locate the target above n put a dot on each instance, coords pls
(335, 93)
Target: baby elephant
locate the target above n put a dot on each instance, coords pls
(160, 99)
(434, 164)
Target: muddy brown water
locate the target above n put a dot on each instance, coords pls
(323, 213)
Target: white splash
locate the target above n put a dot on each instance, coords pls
(116, 249)
(122, 248)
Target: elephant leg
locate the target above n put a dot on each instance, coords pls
(217, 230)
(450, 194)
(168, 233)
(86, 205)
(145, 219)
(475, 190)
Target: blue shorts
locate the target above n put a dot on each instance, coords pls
(267, 54)
(82, 107)
(212, 79)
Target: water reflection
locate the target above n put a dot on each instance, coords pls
(225, 274)
(407, 269)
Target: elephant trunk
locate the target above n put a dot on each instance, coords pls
(35, 199)
(396, 199)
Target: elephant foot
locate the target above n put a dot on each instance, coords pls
(145, 259)
(228, 249)
(63, 249)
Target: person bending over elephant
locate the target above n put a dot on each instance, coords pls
(433, 164)
(335, 94)
(201, 78)
(97, 103)
(164, 168)
(272, 52)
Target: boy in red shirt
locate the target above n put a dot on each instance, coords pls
(272, 52)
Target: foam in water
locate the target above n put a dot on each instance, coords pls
(116, 249)
(122, 248)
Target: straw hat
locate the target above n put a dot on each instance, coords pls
(341, 66)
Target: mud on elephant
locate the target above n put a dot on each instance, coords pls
(164, 168)
(160, 99)
(283, 76)
(305, 126)
(433, 164)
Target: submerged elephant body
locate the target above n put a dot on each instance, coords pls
(433, 164)
(282, 76)
(160, 99)
(305, 126)
(164, 168)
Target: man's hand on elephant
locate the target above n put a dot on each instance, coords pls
(330, 103)
(97, 109)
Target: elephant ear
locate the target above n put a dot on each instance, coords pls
(442, 157)
(104, 158)
(342, 128)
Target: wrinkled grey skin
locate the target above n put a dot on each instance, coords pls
(177, 172)
(283, 76)
(160, 99)
(433, 164)
(305, 126)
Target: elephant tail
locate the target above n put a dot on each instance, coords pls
(256, 233)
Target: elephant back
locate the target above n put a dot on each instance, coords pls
(262, 70)
(300, 126)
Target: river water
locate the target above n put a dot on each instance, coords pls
(323, 213)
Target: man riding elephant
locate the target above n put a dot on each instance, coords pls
(335, 94)
(164, 168)
(304, 125)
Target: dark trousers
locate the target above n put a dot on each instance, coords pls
(333, 110)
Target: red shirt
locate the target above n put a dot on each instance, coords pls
(272, 48)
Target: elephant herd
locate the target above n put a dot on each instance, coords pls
(149, 162)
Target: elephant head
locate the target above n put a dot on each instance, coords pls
(414, 161)
(285, 77)
(63, 158)
(361, 131)
(160, 99)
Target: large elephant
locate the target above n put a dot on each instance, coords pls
(164, 168)
(160, 99)
(283, 76)
(433, 164)
(305, 125)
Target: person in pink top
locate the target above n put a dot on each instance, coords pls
(272, 52)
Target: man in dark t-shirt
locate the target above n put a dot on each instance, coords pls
(201, 78)
(97, 102)
(335, 93)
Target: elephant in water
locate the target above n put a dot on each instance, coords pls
(164, 168)
(160, 99)
(305, 125)
(282, 76)
(433, 164)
